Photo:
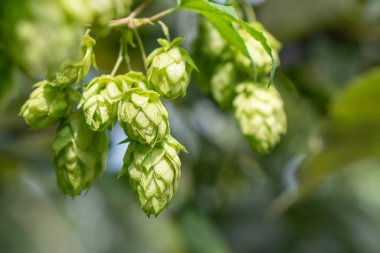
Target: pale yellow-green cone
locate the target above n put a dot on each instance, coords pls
(153, 173)
(260, 113)
(257, 52)
(223, 84)
(96, 12)
(79, 155)
(75, 71)
(213, 43)
(47, 105)
(143, 116)
(170, 68)
(102, 95)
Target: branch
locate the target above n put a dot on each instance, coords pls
(134, 23)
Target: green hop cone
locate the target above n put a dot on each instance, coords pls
(143, 116)
(260, 113)
(79, 155)
(257, 52)
(102, 95)
(96, 12)
(213, 44)
(223, 84)
(47, 105)
(170, 68)
(75, 71)
(209, 50)
(153, 173)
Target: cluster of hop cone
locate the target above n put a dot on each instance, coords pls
(238, 85)
(133, 100)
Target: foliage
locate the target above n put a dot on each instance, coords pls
(276, 163)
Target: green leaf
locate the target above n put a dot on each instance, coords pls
(204, 6)
(351, 136)
(228, 32)
(259, 36)
(187, 58)
(224, 18)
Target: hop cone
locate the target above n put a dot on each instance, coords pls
(79, 155)
(209, 50)
(153, 173)
(47, 105)
(96, 12)
(257, 52)
(143, 116)
(75, 71)
(223, 84)
(261, 116)
(213, 43)
(170, 69)
(101, 96)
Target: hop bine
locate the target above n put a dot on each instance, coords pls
(48, 104)
(153, 173)
(79, 155)
(143, 116)
(102, 95)
(170, 68)
(260, 113)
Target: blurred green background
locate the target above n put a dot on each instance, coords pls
(318, 192)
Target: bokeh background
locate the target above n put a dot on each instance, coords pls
(318, 192)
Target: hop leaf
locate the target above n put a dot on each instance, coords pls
(257, 52)
(260, 113)
(79, 155)
(47, 105)
(223, 85)
(153, 173)
(170, 68)
(75, 71)
(101, 96)
(143, 116)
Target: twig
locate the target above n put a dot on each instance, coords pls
(134, 23)
(249, 11)
(131, 16)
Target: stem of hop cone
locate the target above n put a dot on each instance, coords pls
(141, 46)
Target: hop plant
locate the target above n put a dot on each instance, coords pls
(170, 68)
(47, 105)
(153, 173)
(143, 116)
(223, 84)
(75, 71)
(260, 113)
(101, 96)
(257, 52)
(79, 155)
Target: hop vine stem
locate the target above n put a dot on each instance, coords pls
(134, 23)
